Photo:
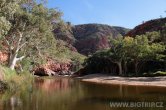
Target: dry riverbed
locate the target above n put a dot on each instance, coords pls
(139, 81)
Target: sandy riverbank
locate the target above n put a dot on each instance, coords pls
(139, 81)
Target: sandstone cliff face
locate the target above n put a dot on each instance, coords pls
(92, 37)
(52, 68)
(91, 45)
(3, 57)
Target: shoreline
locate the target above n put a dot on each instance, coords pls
(130, 81)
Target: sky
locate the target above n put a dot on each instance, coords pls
(125, 13)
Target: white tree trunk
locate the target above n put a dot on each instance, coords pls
(120, 68)
(13, 55)
(13, 61)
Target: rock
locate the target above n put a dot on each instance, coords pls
(40, 71)
(80, 72)
(52, 68)
(3, 57)
(1, 74)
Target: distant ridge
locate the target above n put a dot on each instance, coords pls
(89, 38)
(148, 26)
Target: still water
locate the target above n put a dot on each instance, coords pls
(72, 94)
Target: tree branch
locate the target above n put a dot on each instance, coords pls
(20, 58)
(13, 39)
(19, 41)
(22, 45)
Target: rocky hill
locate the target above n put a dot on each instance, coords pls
(89, 38)
(93, 37)
(149, 26)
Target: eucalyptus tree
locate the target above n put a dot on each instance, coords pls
(29, 31)
(7, 10)
(117, 53)
(138, 50)
(143, 50)
(128, 51)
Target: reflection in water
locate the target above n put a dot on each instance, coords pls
(15, 102)
(51, 85)
(69, 94)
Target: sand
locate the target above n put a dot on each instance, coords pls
(134, 81)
